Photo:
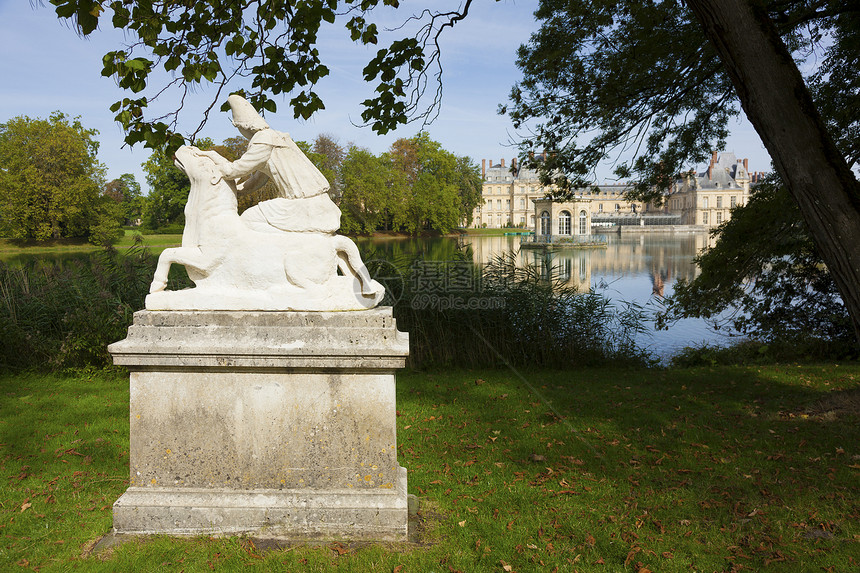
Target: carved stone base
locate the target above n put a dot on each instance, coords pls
(278, 424)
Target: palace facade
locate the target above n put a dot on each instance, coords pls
(701, 199)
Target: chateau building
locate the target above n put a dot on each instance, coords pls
(702, 199)
(706, 199)
(509, 193)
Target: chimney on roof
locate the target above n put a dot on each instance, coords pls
(503, 162)
(483, 169)
(544, 155)
(747, 165)
(713, 158)
(710, 171)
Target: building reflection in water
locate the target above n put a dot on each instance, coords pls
(661, 257)
(639, 268)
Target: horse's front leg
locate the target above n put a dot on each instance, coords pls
(188, 256)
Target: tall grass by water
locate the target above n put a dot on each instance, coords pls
(63, 313)
(458, 314)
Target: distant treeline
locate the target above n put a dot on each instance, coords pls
(53, 186)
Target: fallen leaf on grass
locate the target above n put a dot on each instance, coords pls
(26, 505)
(462, 523)
(339, 548)
(505, 566)
(632, 553)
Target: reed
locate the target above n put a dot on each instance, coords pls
(464, 315)
(62, 314)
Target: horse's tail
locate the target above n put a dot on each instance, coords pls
(349, 262)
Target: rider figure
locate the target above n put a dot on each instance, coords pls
(274, 155)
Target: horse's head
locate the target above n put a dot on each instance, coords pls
(196, 164)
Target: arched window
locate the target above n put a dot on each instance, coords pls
(564, 223)
(583, 223)
(544, 223)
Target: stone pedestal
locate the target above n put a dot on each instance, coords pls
(278, 424)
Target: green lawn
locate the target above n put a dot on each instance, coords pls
(10, 248)
(156, 243)
(710, 469)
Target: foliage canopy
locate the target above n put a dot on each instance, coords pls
(50, 178)
(416, 186)
(271, 44)
(766, 268)
(640, 84)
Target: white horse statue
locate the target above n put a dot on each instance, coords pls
(294, 262)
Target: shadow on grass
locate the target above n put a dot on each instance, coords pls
(711, 469)
(745, 467)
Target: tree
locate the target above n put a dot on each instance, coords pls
(331, 155)
(604, 77)
(168, 190)
(767, 269)
(779, 105)
(50, 178)
(271, 44)
(416, 186)
(371, 192)
(469, 185)
(126, 192)
(436, 182)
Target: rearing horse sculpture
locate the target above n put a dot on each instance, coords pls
(295, 262)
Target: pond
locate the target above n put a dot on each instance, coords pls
(634, 267)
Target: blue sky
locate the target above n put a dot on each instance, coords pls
(45, 66)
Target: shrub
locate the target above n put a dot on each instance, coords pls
(64, 314)
(505, 314)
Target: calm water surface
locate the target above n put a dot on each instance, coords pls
(641, 268)
(634, 267)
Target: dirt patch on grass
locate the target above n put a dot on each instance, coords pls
(837, 405)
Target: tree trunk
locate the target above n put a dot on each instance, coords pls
(780, 107)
